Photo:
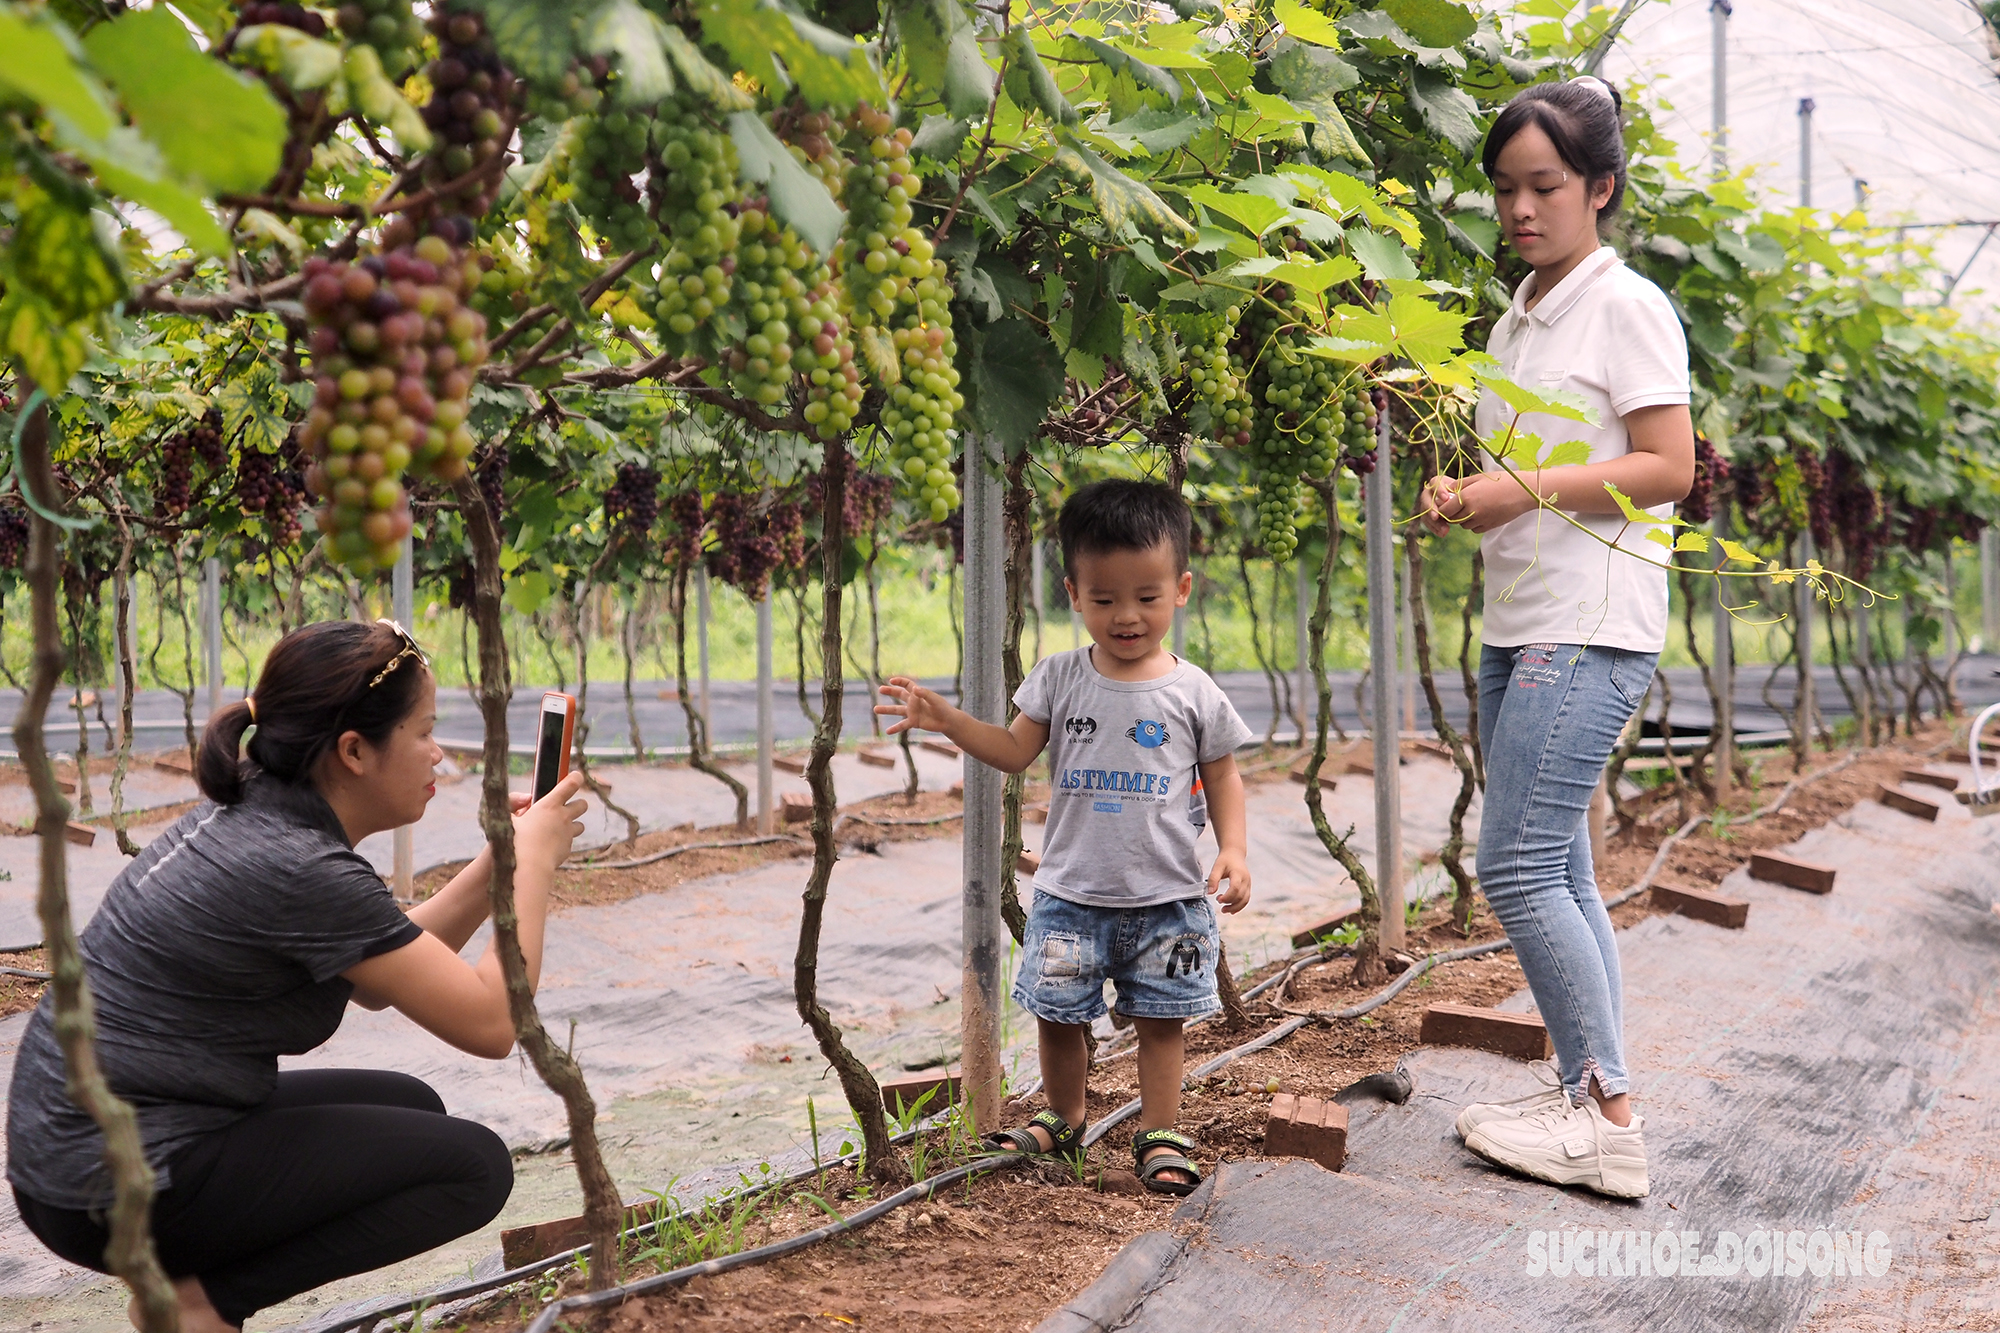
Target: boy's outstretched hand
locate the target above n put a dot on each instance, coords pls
(1233, 866)
(916, 706)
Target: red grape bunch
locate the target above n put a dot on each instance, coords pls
(176, 490)
(270, 486)
(633, 501)
(394, 353)
(13, 537)
(471, 91)
(869, 498)
(284, 15)
(1711, 470)
(685, 510)
(751, 541)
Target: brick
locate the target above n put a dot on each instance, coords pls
(541, 1240)
(1908, 804)
(957, 787)
(1425, 745)
(1027, 862)
(877, 756)
(790, 763)
(907, 1091)
(1924, 777)
(1958, 755)
(1702, 905)
(1307, 1127)
(174, 761)
(83, 835)
(796, 807)
(1519, 1035)
(1310, 936)
(1776, 869)
(939, 745)
(1038, 813)
(1329, 771)
(670, 696)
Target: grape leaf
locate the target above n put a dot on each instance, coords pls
(631, 33)
(211, 123)
(1661, 537)
(879, 351)
(698, 74)
(1144, 74)
(944, 54)
(37, 61)
(299, 60)
(797, 199)
(180, 206)
(1121, 201)
(380, 101)
(1691, 541)
(1155, 129)
(1028, 80)
(1445, 108)
(536, 37)
(1312, 279)
(1433, 22)
(1409, 326)
(1017, 374)
(1523, 400)
(779, 47)
(1570, 453)
(1307, 24)
(1739, 552)
(1633, 514)
(1383, 257)
(59, 277)
(1256, 213)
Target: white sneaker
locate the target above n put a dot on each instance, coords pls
(1568, 1145)
(1548, 1094)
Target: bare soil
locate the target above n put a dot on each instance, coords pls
(1000, 1254)
(20, 994)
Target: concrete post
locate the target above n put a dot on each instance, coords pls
(984, 934)
(211, 629)
(1382, 696)
(402, 596)
(765, 734)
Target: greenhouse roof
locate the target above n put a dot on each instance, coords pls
(1906, 115)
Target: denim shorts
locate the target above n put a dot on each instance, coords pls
(1162, 959)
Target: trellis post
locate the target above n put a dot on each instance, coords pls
(984, 934)
(402, 597)
(1381, 534)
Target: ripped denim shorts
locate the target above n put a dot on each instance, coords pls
(1161, 958)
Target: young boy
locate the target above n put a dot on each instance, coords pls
(1141, 754)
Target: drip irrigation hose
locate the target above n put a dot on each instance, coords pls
(24, 972)
(618, 1295)
(662, 855)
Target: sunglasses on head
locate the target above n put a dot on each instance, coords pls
(409, 649)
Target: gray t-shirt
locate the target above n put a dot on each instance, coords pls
(1125, 799)
(216, 951)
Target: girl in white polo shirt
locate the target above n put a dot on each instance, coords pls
(1576, 611)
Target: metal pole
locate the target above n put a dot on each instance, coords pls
(1305, 687)
(1989, 589)
(1038, 555)
(211, 629)
(1382, 696)
(984, 935)
(403, 600)
(1718, 53)
(1808, 714)
(765, 734)
(701, 644)
(1723, 626)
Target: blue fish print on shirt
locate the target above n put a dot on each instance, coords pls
(1152, 735)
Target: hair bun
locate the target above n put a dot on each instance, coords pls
(1603, 85)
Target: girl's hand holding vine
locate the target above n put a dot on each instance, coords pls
(1479, 504)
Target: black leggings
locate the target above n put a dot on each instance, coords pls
(340, 1172)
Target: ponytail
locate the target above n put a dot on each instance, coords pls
(320, 682)
(218, 770)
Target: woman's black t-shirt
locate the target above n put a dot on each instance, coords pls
(216, 951)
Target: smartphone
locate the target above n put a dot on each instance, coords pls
(552, 745)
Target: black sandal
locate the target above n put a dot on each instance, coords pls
(1065, 1140)
(1149, 1169)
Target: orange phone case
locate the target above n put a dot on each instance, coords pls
(568, 741)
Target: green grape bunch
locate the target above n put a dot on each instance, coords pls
(610, 151)
(896, 282)
(699, 202)
(1217, 374)
(1299, 422)
(773, 270)
(390, 26)
(394, 351)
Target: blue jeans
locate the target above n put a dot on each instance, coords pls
(1161, 958)
(1549, 714)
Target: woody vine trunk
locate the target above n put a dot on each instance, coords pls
(864, 1095)
(1453, 855)
(1368, 967)
(700, 757)
(130, 1253)
(603, 1212)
